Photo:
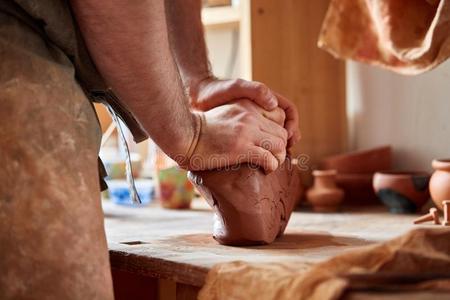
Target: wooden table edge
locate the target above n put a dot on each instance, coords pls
(158, 268)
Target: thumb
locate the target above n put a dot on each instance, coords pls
(223, 91)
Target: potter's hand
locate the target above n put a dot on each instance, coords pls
(211, 92)
(240, 132)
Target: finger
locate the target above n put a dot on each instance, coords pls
(274, 145)
(293, 140)
(253, 90)
(212, 95)
(292, 117)
(274, 129)
(265, 159)
(276, 115)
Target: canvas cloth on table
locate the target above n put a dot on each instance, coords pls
(418, 260)
(409, 37)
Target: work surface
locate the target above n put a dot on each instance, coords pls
(177, 244)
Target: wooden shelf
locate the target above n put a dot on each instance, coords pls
(221, 17)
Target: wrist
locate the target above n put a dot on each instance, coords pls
(194, 84)
(173, 133)
(189, 147)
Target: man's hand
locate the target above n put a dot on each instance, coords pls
(210, 93)
(241, 132)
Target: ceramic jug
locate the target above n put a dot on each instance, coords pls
(324, 195)
(440, 181)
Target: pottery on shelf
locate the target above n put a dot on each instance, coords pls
(355, 172)
(357, 188)
(324, 195)
(402, 192)
(360, 162)
(440, 181)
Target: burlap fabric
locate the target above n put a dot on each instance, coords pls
(409, 37)
(416, 262)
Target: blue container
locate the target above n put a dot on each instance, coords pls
(119, 192)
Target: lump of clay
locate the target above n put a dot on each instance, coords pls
(250, 207)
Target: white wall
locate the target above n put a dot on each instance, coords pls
(220, 45)
(410, 113)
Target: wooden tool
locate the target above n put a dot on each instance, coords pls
(446, 204)
(432, 215)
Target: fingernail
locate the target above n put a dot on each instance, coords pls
(273, 102)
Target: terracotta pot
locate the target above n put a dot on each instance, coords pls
(440, 181)
(358, 162)
(357, 188)
(324, 195)
(402, 192)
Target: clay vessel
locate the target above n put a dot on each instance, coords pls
(440, 182)
(250, 207)
(360, 162)
(357, 189)
(355, 172)
(402, 192)
(324, 195)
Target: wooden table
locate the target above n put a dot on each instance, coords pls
(148, 243)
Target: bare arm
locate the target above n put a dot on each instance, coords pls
(186, 38)
(188, 44)
(128, 41)
(129, 44)
(187, 41)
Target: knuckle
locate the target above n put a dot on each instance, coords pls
(267, 145)
(237, 110)
(239, 129)
(261, 89)
(280, 144)
(236, 82)
(285, 134)
(247, 117)
(274, 145)
(272, 163)
(280, 154)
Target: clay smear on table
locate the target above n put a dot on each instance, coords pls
(250, 207)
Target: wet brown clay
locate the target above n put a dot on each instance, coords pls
(440, 182)
(325, 196)
(250, 207)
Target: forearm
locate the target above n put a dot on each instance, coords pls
(187, 41)
(129, 45)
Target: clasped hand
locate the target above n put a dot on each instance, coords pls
(245, 121)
